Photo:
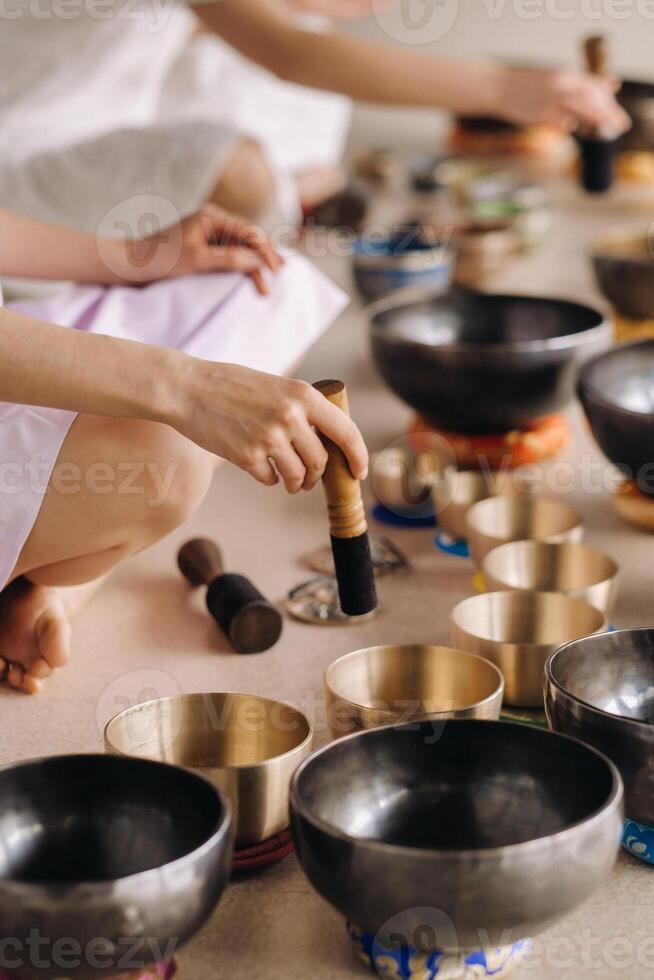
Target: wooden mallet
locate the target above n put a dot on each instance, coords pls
(347, 521)
(250, 622)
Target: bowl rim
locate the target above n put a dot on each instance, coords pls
(525, 502)
(303, 746)
(601, 248)
(615, 795)
(224, 829)
(535, 544)
(414, 295)
(551, 679)
(361, 651)
(587, 389)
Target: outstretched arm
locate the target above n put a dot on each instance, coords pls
(262, 423)
(265, 32)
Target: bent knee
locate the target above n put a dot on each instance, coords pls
(247, 184)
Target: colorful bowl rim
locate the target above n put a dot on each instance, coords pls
(551, 679)
(615, 795)
(414, 295)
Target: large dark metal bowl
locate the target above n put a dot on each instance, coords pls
(601, 689)
(617, 394)
(476, 362)
(114, 862)
(503, 828)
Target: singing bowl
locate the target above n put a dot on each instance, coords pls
(617, 394)
(404, 260)
(455, 491)
(247, 746)
(385, 684)
(518, 631)
(472, 362)
(498, 520)
(502, 828)
(567, 567)
(109, 860)
(601, 689)
(623, 264)
(402, 480)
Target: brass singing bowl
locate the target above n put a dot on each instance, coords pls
(247, 746)
(568, 567)
(499, 520)
(387, 684)
(455, 491)
(518, 631)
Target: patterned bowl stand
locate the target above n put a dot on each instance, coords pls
(405, 963)
(638, 839)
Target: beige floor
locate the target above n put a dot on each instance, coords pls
(144, 635)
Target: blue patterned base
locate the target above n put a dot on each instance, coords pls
(638, 839)
(404, 963)
(386, 516)
(451, 547)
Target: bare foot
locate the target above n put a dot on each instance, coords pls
(35, 630)
(318, 185)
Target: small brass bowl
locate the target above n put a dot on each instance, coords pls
(455, 491)
(247, 746)
(518, 631)
(568, 567)
(499, 520)
(387, 684)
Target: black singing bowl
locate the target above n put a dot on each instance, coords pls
(601, 689)
(113, 862)
(503, 828)
(616, 390)
(475, 362)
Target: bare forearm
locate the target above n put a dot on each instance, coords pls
(58, 367)
(37, 250)
(263, 31)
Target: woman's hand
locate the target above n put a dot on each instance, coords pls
(264, 424)
(563, 97)
(213, 240)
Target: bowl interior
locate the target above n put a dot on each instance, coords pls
(624, 377)
(536, 618)
(430, 679)
(522, 518)
(471, 318)
(474, 785)
(631, 247)
(209, 731)
(547, 567)
(611, 671)
(95, 818)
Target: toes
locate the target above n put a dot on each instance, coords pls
(53, 634)
(15, 676)
(32, 685)
(39, 668)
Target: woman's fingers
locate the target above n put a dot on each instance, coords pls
(290, 467)
(313, 455)
(225, 227)
(340, 428)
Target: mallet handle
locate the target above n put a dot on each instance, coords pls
(347, 516)
(200, 561)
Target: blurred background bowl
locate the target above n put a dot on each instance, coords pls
(135, 852)
(601, 690)
(568, 567)
(489, 823)
(385, 684)
(617, 394)
(518, 631)
(624, 269)
(455, 491)
(498, 520)
(471, 362)
(246, 745)
(404, 260)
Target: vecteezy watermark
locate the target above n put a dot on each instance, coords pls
(152, 14)
(135, 478)
(65, 953)
(137, 687)
(416, 21)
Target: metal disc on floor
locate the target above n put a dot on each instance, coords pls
(386, 558)
(316, 601)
